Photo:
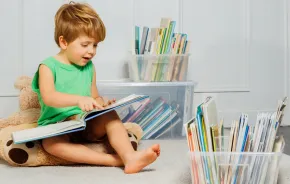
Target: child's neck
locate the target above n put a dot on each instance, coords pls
(61, 57)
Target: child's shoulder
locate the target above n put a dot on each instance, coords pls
(49, 60)
(50, 63)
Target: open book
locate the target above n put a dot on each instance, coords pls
(65, 127)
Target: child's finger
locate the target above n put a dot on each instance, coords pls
(83, 108)
(87, 108)
(112, 101)
(91, 107)
(96, 105)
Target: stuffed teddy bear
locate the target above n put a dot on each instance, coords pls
(32, 153)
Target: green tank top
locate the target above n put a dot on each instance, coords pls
(70, 79)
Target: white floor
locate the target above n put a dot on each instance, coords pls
(284, 172)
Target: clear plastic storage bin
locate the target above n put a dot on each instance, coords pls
(224, 167)
(156, 68)
(233, 167)
(162, 117)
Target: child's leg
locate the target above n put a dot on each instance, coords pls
(111, 125)
(62, 148)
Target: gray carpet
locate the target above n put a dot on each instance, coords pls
(171, 168)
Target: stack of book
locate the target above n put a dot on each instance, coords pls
(159, 54)
(160, 40)
(156, 117)
(217, 158)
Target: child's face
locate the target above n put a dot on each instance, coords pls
(81, 50)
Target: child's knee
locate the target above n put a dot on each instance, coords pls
(112, 115)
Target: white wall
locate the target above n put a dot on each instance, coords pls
(239, 49)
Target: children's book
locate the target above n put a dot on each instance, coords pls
(65, 127)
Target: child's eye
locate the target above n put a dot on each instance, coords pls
(84, 45)
(95, 45)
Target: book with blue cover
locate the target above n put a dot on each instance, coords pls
(65, 127)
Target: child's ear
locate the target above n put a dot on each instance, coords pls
(62, 43)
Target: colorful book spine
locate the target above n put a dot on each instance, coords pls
(156, 107)
(154, 113)
(166, 109)
(168, 128)
(159, 122)
(132, 116)
(148, 109)
(159, 41)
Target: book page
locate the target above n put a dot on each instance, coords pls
(119, 103)
(46, 131)
(124, 100)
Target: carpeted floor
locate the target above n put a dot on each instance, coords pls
(171, 168)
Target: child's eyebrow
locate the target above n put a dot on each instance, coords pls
(86, 42)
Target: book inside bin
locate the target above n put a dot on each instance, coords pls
(163, 115)
(164, 67)
(233, 167)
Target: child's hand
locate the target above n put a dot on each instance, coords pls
(88, 103)
(108, 102)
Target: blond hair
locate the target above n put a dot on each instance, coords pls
(75, 19)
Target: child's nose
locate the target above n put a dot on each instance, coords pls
(91, 50)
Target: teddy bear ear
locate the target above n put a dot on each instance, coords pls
(135, 129)
(22, 82)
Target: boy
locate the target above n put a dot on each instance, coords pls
(66, 86)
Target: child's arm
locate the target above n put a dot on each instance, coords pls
(95, 93)
(53, 98)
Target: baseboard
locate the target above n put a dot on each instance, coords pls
(9, 95)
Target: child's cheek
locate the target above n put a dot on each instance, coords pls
(78, 53)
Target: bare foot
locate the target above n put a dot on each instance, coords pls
(140, 159)
(156, 149)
